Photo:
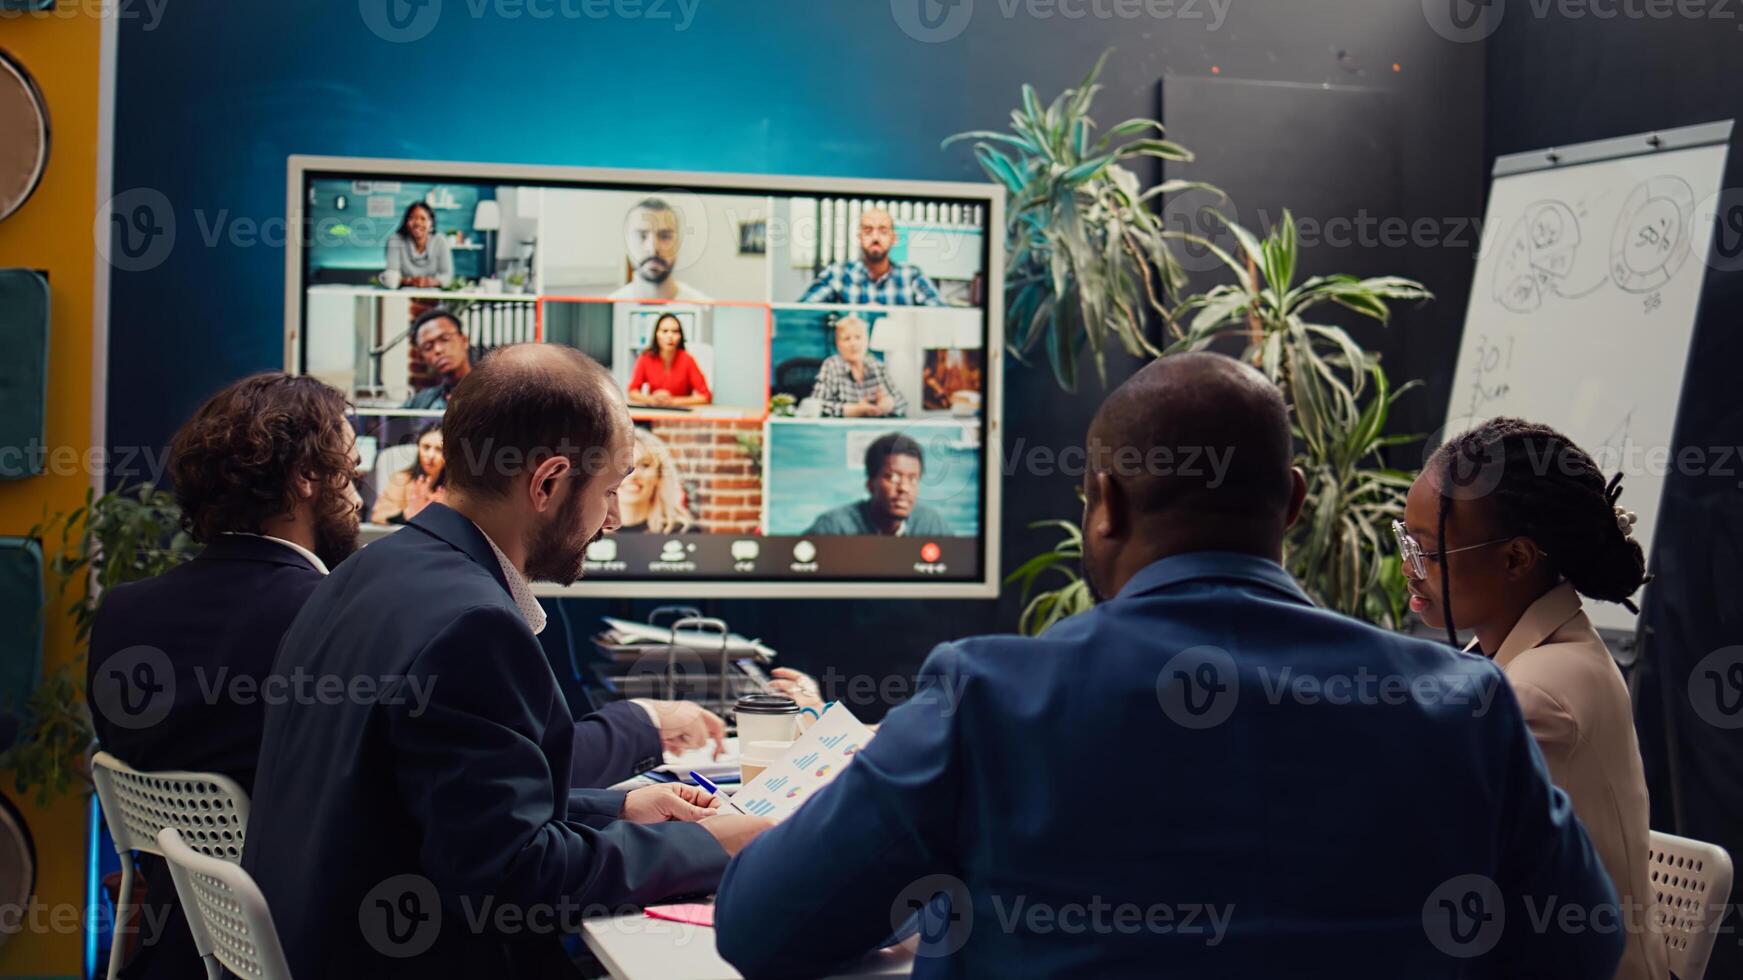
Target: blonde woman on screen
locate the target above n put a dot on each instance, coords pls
(652, 497)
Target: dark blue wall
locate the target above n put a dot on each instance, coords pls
(1576, 79)
(212, 100)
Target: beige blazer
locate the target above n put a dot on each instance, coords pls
(1577, 705)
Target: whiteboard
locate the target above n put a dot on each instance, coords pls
(1584, 303)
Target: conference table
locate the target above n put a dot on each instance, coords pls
(635, 947)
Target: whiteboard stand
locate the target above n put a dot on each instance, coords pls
(1584, 305)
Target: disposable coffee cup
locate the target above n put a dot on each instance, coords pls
(767, 718)
(754, 757)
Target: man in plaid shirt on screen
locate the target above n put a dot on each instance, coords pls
(873, 278)
(852, 383)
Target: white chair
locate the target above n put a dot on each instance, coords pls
(227, 913)
(1692, 880)
(210, 810)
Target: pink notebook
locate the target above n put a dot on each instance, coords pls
(695, 914)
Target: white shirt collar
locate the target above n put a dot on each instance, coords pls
(518, 589)
(320, 566)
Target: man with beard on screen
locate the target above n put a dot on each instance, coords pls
(653, 235)
(421, 821)
(264, 476)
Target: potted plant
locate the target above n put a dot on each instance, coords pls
(1087, 259)
(122, 536)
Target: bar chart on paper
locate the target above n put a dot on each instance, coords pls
(814, 760)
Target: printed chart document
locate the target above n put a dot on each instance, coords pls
(816, 757)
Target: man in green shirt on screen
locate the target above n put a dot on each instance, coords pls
(893, 466)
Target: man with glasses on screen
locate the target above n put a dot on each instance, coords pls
(894, 464)
(873, 278)
(653, 234)
(441, 340)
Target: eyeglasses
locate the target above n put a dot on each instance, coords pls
(1416, 560)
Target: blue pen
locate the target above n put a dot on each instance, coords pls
(704, 782)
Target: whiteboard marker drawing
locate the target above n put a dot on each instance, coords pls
(1651, 239)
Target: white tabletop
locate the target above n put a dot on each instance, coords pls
(635, 947)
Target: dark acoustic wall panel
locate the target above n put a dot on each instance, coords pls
(21, 602)
(1336, 156)
(23, 372)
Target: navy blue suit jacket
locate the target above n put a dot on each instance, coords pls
(212, 625)
(1205, 777)
(422, 823)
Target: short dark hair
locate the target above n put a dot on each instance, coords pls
(887, 445)
(656, 204)
(653, 346)
(436, 313)
(233, 462)
(522, 405)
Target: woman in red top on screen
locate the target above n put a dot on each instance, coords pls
(666, 375)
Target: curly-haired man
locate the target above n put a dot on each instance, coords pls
(264, 474)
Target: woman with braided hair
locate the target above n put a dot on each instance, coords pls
(1504, 530)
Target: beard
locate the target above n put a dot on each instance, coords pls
(875, 255)
(556, 553)
(337, 523)
(654, 270)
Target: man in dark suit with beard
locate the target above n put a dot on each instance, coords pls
(420, 821)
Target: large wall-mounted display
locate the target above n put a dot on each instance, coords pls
(812, 364)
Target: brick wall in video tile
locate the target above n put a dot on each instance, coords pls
(720, 460)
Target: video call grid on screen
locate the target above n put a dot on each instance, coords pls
(743, 318)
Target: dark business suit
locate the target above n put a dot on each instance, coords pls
(211, 621)
(1177, 783)
(390, 832)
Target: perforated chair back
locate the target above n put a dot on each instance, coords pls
(226, 911)
(1692, 880)
(210, 809)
